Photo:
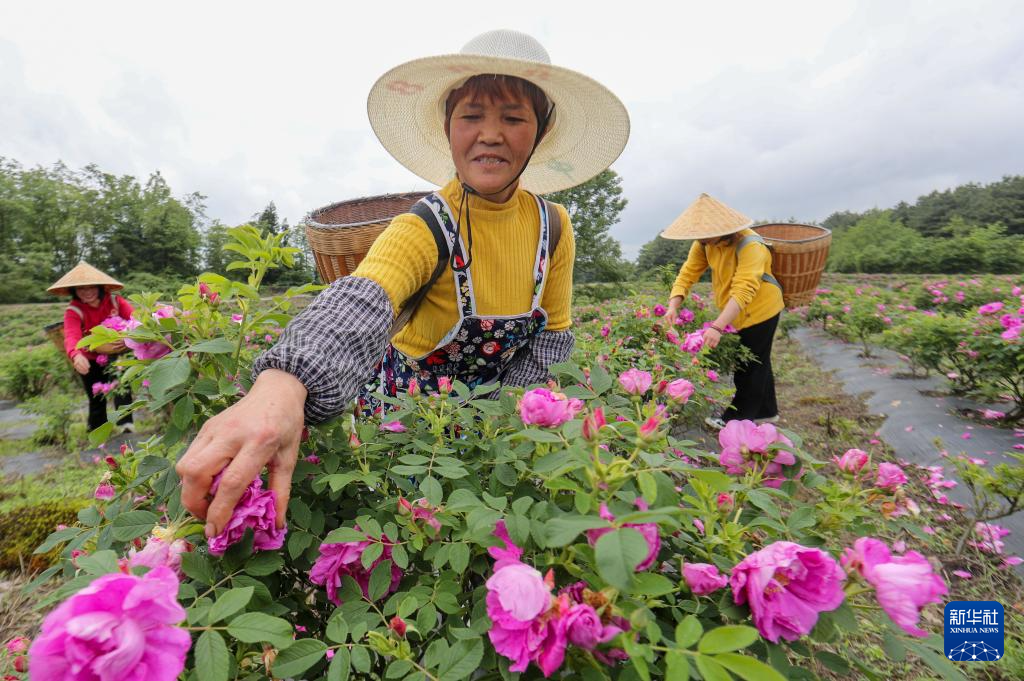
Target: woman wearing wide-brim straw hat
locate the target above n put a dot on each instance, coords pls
(747, 295)
(92, 301)
(473, 284)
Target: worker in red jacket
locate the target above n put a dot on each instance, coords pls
(92, 302)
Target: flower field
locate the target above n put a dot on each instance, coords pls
(581, 529)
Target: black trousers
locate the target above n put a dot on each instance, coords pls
(755, 383)
(98, 402)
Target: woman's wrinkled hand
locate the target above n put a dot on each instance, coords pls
(261, 429)
(81, 364)
(672, 313)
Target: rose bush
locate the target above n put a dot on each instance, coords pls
(568, 534)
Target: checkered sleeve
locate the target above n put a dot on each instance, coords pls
(530, 365)
(333, 345)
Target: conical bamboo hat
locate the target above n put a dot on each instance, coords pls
(705, 218)
(83, 274)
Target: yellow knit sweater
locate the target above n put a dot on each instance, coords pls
(504, 250)
(733, 276)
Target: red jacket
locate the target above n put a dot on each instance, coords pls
(79, 319)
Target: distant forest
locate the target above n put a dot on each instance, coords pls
(139, 233)
(972, 228)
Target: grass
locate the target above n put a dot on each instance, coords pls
(71, 479)
(23, 324)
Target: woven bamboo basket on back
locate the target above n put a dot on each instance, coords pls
(340, 235)
(799, 253)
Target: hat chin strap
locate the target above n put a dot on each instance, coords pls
(468, 189)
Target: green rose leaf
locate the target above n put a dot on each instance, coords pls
(298, 657)
(618, 553)
(212, 657)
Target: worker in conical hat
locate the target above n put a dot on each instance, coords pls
(746, 293)
(93, 300)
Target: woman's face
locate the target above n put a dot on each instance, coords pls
(491, 140)
(88, 294)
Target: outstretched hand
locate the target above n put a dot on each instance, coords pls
(261, 429)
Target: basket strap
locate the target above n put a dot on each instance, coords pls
(422, 211)
(554, 226)
(757, 238)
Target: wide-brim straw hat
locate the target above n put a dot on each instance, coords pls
(589, 129)
(705, 218)
(83, 274)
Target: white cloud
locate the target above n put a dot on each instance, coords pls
(780, 109)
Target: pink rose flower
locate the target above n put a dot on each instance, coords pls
(649, 531)
(102, 360)
(236, 318)
(164, 312)
(993, 415)
(990, 308)
(148, 350)
(256, 510)
(852, 461)
(787, 585)
(104, 491)
(659, 310)
(746, 445)
(634, 381)
(159, 553)
(345, 558)
(121, 626)
(903, 584)
(420, 510)
(685, 316)
(393, 427)
(890, 476)
(17, 645)
(693, 342)
(712, 375)
(680, 390)
(520, 590)
(584, 628)
(703, 578)
(605, 330)
(541, 407)
(117, 323)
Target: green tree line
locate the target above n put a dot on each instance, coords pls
(139, 232)
(972, 228)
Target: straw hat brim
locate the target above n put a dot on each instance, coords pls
(589, 130)
(706, 218)
(83, 274)
(698, 233)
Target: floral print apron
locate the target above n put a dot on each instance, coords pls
(476, 349)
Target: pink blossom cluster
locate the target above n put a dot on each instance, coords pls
(256, 510)
(990, 537)
(121, 626)
(100, 388)
(530, 624)
(542, 407)
(748, 446)
(345, 558)
(903, 584)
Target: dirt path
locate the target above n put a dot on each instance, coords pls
(915, 420)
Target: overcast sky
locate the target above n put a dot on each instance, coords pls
(781, 109)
